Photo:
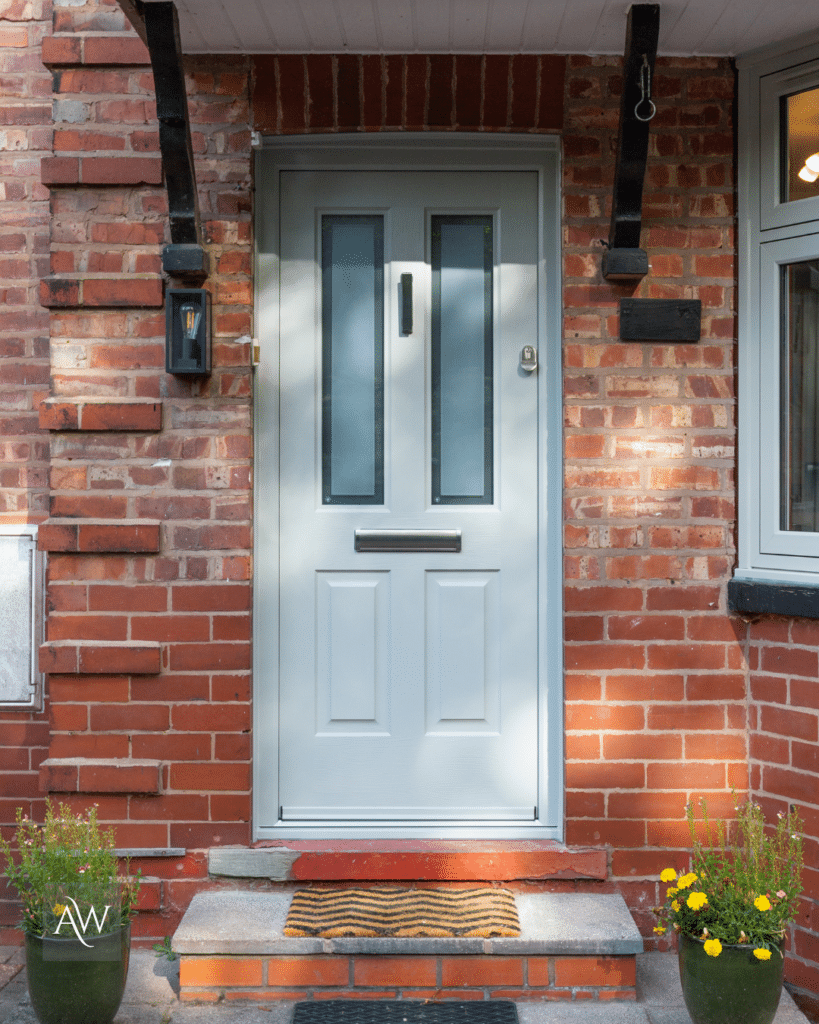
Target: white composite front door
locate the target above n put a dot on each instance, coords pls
(409, 497)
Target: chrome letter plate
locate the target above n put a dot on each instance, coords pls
(408, 540)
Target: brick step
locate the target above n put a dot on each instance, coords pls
(409, 860)
(572, 947)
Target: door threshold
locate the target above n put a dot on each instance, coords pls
(449, 860)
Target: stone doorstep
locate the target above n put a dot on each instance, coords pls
(572, 946)
(410, 860)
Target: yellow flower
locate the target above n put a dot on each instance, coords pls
(685, 881)
(675, 906)
(59, 908)
(762, 903)
(660, 931)
(671, 891)
(713, 947)
(762, 954)
(668, 875)
(696, 900)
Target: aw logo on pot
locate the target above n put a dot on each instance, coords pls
(79, 932)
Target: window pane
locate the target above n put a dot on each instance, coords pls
(462, 360)
(800, 387)
(800, 145)
(352, 264)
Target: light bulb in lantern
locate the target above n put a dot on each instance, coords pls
(191, 315)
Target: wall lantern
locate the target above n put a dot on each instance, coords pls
(187, 331)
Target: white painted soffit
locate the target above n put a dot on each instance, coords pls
(687, 27)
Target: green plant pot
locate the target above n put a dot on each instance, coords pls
(70, 984)
(732, 988)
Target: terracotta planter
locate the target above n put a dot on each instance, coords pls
(732, 988)
(70, 984)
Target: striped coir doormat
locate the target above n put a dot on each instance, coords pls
(439, 913)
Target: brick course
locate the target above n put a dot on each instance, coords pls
(564, 978)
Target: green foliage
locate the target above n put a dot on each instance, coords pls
(743, 889)
(69, 858)
(164, 949)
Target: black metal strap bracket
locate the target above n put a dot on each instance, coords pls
(184, 257)
(624, 259)
(132, 9)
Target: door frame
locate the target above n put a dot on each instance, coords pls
(409, 151)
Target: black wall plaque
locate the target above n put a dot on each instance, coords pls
(660, 319)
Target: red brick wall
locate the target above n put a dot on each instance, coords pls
(25, 135)
(655, 680)
(784, 761)
(149, 535)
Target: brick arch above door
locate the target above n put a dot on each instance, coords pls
(295, 94)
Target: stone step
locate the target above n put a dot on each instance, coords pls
(571, 947)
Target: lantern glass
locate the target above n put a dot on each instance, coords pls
(187, 331)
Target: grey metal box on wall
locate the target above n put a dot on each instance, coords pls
(21, 602)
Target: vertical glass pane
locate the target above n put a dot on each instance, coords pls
(800, 146)
(462, 360)
(800, 395)
(352, 267)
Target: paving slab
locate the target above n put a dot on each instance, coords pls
(151, 979)
(582, 1013)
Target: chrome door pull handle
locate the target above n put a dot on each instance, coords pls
(406, 303)
(408, 540)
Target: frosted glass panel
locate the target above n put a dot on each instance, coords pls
(462, 360)
(352, 257)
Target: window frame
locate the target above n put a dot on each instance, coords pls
(770, 233)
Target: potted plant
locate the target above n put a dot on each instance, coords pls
(76, 915)
(730, 912)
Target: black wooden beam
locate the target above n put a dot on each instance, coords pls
(184, 257)
(625, 259)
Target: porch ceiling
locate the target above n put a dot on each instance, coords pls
(717, 27)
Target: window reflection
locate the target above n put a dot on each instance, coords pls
(462, 387)
(800, 405)
(353, 359)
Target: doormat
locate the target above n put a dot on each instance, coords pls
(379, 1011)
(408, 913)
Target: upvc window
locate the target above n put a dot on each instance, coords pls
(21, 603)
(778, 507)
